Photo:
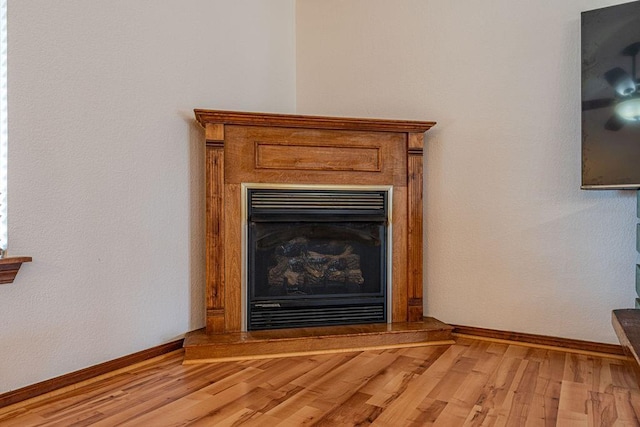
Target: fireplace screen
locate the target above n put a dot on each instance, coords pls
(316, 258)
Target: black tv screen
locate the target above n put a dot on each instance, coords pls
(611, 97)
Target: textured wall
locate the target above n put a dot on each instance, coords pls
(511, 241)
(106, 166)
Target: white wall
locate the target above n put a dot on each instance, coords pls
(512, 242)
(106, 166)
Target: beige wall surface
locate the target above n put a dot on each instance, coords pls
(105, 161)
(512, 243)
(106, 166)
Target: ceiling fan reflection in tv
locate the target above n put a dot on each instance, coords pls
(626, 100)
(610, 97)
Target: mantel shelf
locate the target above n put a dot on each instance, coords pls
(10, 266)
(316, 122)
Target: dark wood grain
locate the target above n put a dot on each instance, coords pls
(10, 266)
(626, 324)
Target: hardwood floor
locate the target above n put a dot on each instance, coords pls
(470, 383)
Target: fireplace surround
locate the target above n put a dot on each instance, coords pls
(256, 151)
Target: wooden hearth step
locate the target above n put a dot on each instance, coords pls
(202, 348)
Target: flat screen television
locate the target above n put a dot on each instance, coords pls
(611, 97)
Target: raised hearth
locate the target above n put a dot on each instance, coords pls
(201, 347)
(253, 150)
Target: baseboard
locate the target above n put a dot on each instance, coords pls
(540, 340)
(48, 386)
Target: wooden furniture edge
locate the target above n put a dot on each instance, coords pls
(540, 340)
(15, 259)
(317, 352)
(10, 266)
(626, 325)
(320, 122)
(47, 386)
(201, 347)
(291, 334)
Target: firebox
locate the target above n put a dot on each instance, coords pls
(317, 256)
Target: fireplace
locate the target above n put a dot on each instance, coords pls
(325, 155)
(311, 221)
(317, 256)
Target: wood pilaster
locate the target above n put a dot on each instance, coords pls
(215, 272)
(414, 221)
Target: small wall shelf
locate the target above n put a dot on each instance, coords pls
(9, 268)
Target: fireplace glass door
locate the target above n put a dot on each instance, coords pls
(316, 258)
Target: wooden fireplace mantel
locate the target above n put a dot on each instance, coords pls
(217, 117)
(293, 149)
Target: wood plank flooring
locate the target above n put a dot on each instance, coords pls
(470, 383)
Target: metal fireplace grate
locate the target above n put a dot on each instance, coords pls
(316, 257)
(300, 200)
(300, 317)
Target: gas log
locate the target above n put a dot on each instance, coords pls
(299, 263)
